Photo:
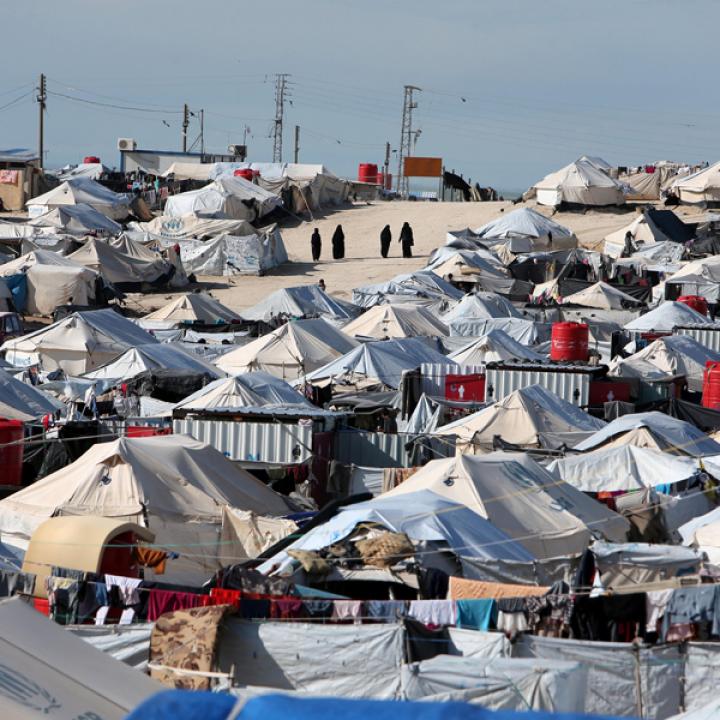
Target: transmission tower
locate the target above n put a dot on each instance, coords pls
(280, 93)
(406, 138)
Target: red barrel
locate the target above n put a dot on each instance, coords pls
(711, 385)
(11, 451)
(245, 174)
(91, 160)
(696, 302)
(368, 172)
(569, 342)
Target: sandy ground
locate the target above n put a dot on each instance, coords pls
(363, 265)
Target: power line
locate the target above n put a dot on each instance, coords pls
(115, 106)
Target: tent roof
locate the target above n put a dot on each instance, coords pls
(579, 174)
(523, 223)
(520, 417)
(396, 321)
(382, 360)
(495, 345)
(42, 257)
(667, 316)
(706, 179)
(549, 518)
(18, 155)
(295, 348)
(601, 296)
(421, 284)
(300, 301)
(192, 307)
(20, 401)
(80, 190)
(668, 433)
(79, 219)
(622, 469)
(49, 672)
(481, 305)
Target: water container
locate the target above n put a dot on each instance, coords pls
(711, 385)
(569, 342)
(11, 452)
(696, 302)
(245, 174)
(367, 172)
(91, 160)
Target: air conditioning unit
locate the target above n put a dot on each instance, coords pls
(126, 144)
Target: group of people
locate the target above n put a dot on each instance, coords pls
(406, 240)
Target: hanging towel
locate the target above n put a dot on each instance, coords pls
(476, 614)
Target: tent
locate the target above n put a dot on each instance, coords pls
(652, 430)
(424, 285)
(524, 331)
(580, 183)
(169, 229)
(481, 305)
(699, 187)
(291, 351)
(227, 198)
(227, 255)
(495, 346)
(520, 418)
(156, 356)
(123, 271)
(623, 469)
(666, 317)
(667, 357)
(381, 361)
(526, 230)
(77, 219)
(252, 390)
(78, 343)
(82, 191)
(191, 308)
(396, 321)
(20, 401)
(172, 484)
(517, 495)
(466, 266)
(603, 297)
(52, 281)
(653, 226)
(46, 672)
(304, 301)
(94, 171)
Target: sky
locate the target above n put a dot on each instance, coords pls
(511, 89)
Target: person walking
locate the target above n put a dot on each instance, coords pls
(316, 245)
(385, 240)
(406, 239)
(338, 243)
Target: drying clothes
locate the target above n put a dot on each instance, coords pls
(163, 601)
(318, 609)
(655, 604)
(62, 572)
(346, 610)
(63, 599)
(287, 609)
(478, 614)
(423, 643)
(512, 623)
(147, 557)
(127, 586)
(237, 577)
(388, 611)
(225, 597)
(12, 582)
(694, 605)
(437, 613)
(433, 583)
(461, 589)
(254, 608)
(550, 615)
(101, 615)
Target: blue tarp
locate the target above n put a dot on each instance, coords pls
(182, 705)
(17, 285)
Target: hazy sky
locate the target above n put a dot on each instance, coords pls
(543, 81)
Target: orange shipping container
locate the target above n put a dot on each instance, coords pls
(423, 167)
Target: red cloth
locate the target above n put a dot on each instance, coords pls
(287, 609)
(220, 596)
(164, 601)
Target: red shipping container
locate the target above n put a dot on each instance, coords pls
(465, 388)
(138, 431)
(602, 392)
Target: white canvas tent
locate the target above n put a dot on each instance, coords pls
(170, 229)
(481, 305)
(700, 187)
(291, 351)
(520, 418)
(422, 286)
(82, 191)
(232, 198)
(603, 297)
(93, 170)
(622, 469)
(395, 321)
(174, 485)
(580, 183)
(494, 346)
(648, 229)
(52, 281)
(227, 255)
(526, 230)
(666, 317)
(518, 496)
(77, 219)
(191, 308)
(20, 401)
(78, 343)
(304, 301)
(48, 673)
(667, 357)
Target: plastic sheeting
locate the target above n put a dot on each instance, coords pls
(82, 191)
(20, 401)
(526, 230)
(128, 643)
(666, 317)
(299, 302)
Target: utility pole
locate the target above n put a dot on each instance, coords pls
(185, 125)
(406, 138)
(202, 132)
(280, 90)
(297, 144)
(386, 166)
(41, 98)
